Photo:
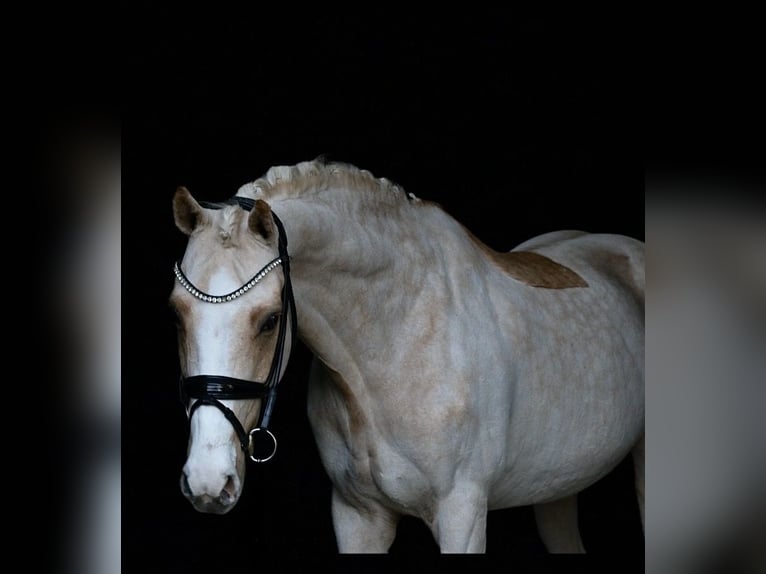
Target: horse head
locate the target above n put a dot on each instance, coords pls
(235, 321)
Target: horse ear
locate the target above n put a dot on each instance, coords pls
(260, 221)
(186, 211)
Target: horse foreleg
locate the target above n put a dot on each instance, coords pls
(638, 466)
(557, 525)
(460, 524)
(362, 530)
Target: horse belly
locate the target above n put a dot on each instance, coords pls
(562, 464)
(578, 407)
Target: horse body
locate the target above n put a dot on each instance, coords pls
(449, 379)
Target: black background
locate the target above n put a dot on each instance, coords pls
(515, 125)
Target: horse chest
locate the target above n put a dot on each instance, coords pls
(362, 464)
(377, 471)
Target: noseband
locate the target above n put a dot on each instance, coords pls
(212, 389)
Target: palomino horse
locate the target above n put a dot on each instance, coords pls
(448, 379)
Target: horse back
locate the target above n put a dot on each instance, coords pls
(617, 258)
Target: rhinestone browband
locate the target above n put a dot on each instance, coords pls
(202, 296)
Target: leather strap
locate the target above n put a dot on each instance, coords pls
(230, 416)
(220, 387)
(244, 202)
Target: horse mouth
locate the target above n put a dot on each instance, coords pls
(209, 505)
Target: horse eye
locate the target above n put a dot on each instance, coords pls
(270, 323)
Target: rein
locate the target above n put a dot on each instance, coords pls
(209, 390)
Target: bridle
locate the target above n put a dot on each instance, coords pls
(211, 389)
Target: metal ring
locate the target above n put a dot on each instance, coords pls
(250, 445)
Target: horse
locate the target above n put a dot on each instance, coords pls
(447, 379)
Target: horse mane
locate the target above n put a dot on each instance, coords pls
(315, 176)
(371, 194)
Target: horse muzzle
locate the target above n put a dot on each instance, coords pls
(216, 494)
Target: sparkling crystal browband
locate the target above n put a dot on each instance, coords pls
(202, 296)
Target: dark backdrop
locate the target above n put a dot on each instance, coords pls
(517, 126)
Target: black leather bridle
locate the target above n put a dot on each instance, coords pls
(211, 389)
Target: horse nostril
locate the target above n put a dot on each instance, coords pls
(228, 492)
(185, 488)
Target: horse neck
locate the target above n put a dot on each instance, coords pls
(358, 275)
